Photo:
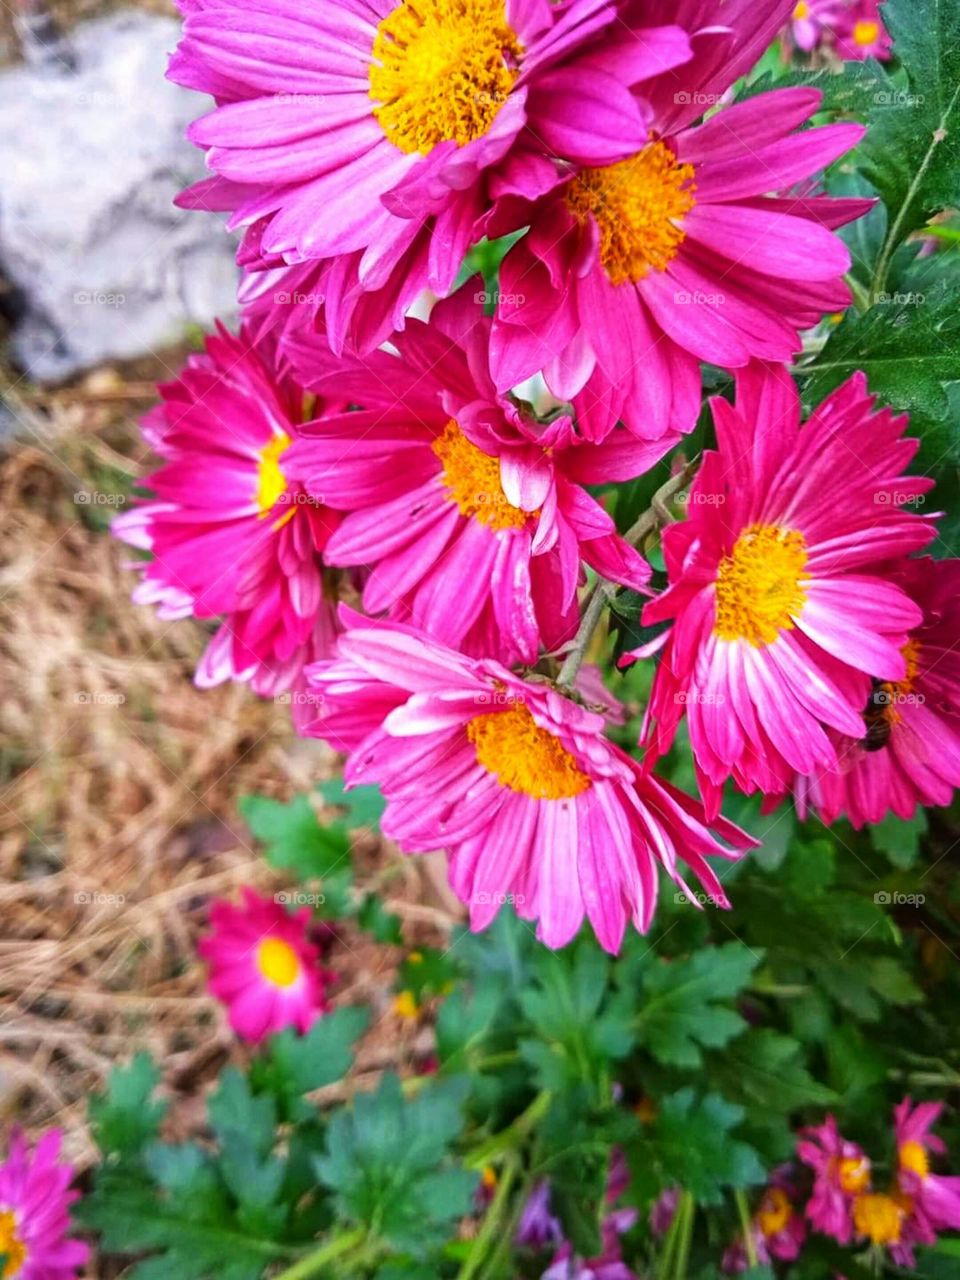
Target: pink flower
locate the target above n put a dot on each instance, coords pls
(633, 272)
(842, 1172)
(230, 535)
(515, 779)
(861, 33)
(263, 966)
(537, 1226)
(811, 20)
(34, 1219)
(664, 1210)
(908, 751)
(363, 133)
(778, 1228)
(937, 1197)
(780, 615)
(472, 515)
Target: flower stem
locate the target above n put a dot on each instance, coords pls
(685, 1212)
(588, 625)
(746, 1225)
(493, 1220)
(329, 1252)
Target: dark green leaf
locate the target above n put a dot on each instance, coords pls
(127, 1116)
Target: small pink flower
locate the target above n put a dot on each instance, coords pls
(937, 1196)
(516, 779)
(841, 1172)
(263, 966)
(780, 598)
(34, 1218)
(231, 536)
(861, 33)
(812, 20)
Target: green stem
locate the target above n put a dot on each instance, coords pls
(685, 1212)
(746, 1225)
(588, 625)
(329, 1252)
(492, 1221)
(665, 1260)
(510, 1138)
(505, 1243)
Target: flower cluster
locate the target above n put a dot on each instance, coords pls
(853, 29)
(391, 503)
(34, 1219)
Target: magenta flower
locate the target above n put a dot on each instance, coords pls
(908, 752)
(516, 780)
(841, 1173)
(935, 1196)
(34, 1218)
(230, 535)
(633, 272)
(780, 614)
(364, 133)
(264, 967)
(811, 20)
(861, 33)
(472, 516)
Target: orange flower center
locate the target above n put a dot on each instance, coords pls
(278, 963)
(913, 1157)
(12, 1248)
(853, 1174)
(441, 71)
(775, 1211)
(525, 758)
(865, 33)
(878, 1217)
(472, 480)
(761, 585)
(271, 482)
(801, 11)
(637, 205)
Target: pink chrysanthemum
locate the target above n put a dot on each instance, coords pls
(841, 1172)
(517, 781)
(934, 1194)
(908, 752)
(34, 1218)
(632, 273)
(811, 20)
(861, 33)
(264, 967)
(778, 1227)
(230, 535)
(780, 617)
(472, 515)
(362, 133)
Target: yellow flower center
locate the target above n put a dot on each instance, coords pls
(278, 962)
(441, 71)
(913, 1157)
(636, 205)
(12, 1247)
(853, 1174)
(271, 482)
(801, 11)
(472, 480)
(405, 1004)
(878, 1217)
(775, 1212)
(525, 758)
(760, 585)
(865, 33)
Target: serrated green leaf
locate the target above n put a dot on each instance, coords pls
(295, 1065)
(375, 919)
(234, 1108)
(899, 838)
(126, 1117)
(692, 1145)
(293, 838)
(364, 805)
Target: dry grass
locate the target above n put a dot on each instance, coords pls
(118, 789)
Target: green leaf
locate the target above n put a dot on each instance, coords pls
(909, 348)
(899, 838)
(465, 1017)
(234, 1108)
(693, 1147)
(375, 919)
(295, 1065)
(387, 1160)
(892, 982)
(127, 1117)
(364, 805)
(680, 1011)
(294, 839)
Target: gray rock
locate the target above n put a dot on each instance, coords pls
(90, 160)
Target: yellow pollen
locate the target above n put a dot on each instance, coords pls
(760, 585)
(853, 1174)
(913, 1157)
(801, 11)
(405, 1004)
(893, 691)
(441, 71)
(775, 1211)
(278, 962)
(524, 757)
(866, 33)
(489, 1177)
(11, 1246)
(472, 480)
(271, 483)
(636, 205)
(878, 1217)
